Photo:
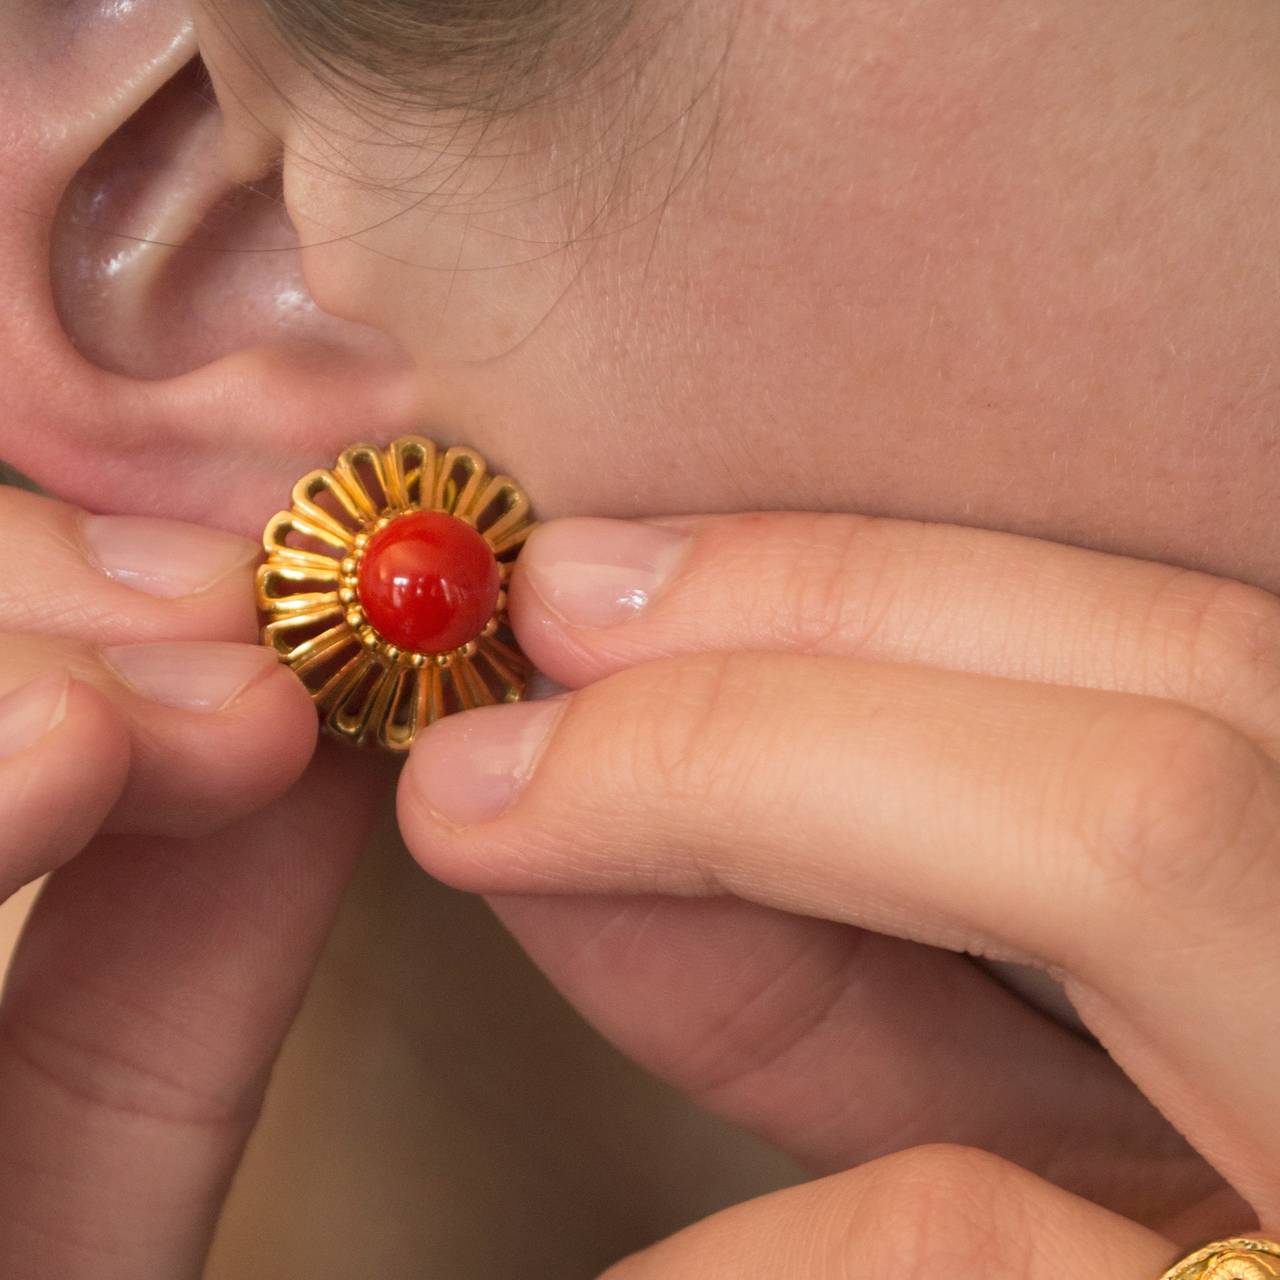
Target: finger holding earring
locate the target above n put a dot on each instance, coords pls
(1097, 803)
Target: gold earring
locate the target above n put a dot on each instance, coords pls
(385, 586)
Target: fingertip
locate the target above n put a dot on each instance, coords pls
(58, 788)
(436, 847)
(198, 770)
(32, 710)
(466, 772)
(555, 649)
(582, 584)
(125, 578)
(471, 768)
(597, 574)
(276, 719)
(87, 734)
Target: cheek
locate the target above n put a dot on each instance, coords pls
(971, 213)
(969, 266)
(968, 262)
(451, 256)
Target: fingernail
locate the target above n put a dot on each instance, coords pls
(163, 557)
(471, 768)
(30, 711)
(597, 573)
(192, 675)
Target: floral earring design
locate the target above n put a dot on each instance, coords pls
(384, 588)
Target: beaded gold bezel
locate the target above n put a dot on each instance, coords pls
(368, 691)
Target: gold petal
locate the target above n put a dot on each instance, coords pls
(314, 604)
(348, 472)
(288, 623)
(410, 458)
(510, 667)
(380, 704)
(506, 652)
(311, 653)
(352, 714)
(509, 540)
(394, 732)
(283, 523)
(326, 481)
(482, 491)
(338, 685)
(273, 576)
(286, 522)
(431, 702)
(515, 518)
(450, 491)
(466, 681)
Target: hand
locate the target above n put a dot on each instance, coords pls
(149, 752)
(826, 740)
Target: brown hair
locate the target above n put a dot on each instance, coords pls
(486, 55)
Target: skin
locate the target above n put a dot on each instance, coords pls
(1005, 271)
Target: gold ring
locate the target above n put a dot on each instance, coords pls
(1239, 1258)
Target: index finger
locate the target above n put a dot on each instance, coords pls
(591, 597)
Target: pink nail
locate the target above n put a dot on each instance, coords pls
(191, 675)
(597, 573)
(163, 557)
(30, 711)
(471, 768)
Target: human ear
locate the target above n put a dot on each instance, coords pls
(159, 350)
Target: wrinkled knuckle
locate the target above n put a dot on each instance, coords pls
(831, 579)
(774, 1022)
(938, 1209)
(1226, 640)
(688, 735)
(102, 1080)
(1180, 805)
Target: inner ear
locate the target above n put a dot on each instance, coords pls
(162, 263)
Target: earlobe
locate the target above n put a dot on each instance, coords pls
(156, 325)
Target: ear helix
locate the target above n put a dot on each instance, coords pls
(155, 311)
